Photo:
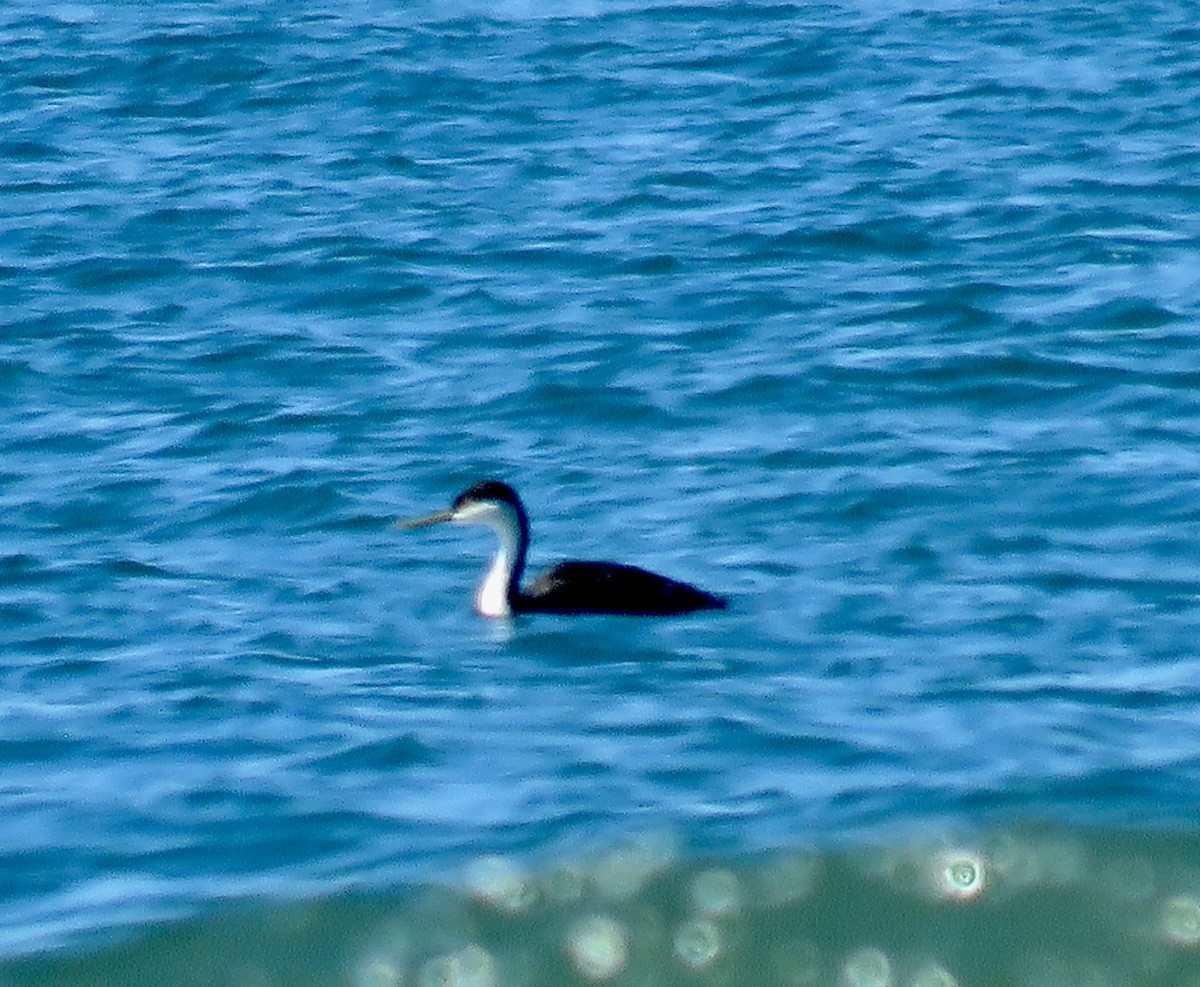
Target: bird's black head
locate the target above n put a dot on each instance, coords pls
(494, 491)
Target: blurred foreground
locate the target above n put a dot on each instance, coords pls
(1019, 906)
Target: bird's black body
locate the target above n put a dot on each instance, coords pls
(608, 587)
(569, 587)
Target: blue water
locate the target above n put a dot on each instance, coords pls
(879, 318)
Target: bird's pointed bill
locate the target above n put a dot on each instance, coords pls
(424, 522)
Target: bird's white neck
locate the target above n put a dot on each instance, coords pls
(501, 583)
(493, 597)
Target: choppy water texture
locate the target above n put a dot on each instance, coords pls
(879, 318)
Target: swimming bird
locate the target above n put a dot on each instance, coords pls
(567, 588)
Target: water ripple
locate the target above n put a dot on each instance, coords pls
(875, 317)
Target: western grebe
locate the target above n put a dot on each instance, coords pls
(569, 587)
